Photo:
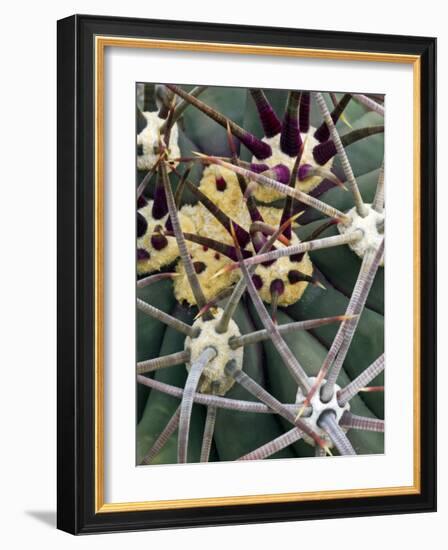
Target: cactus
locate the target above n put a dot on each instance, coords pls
(260, 284)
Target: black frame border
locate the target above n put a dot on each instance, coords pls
(75, 272)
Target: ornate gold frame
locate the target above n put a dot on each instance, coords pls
(101, 42)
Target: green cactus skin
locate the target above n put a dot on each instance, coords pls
(238, 433)
(160, 407)
(150, 332)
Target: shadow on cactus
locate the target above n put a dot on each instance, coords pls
(260, 288)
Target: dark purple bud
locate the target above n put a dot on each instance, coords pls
(242, 235)
(304, 113)
(143, 254)
(141, 202)
(277, 287)
(323, 152)
(269, 120)
(258, 281)
(268, 264)
(290, 140)
(221, 184)
(159, 206)
(260, 149)
(142, 225)
(297, 257)
(304, 171)
(295, 276)
(281, 173)
(199, 267)
(323, 133)
(159, 241)
(258, 168)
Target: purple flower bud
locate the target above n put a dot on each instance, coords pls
(141, 202)
(269, 120)
(199, 267)
(304, 113)
(290, 139)
(258, 281)
(297, 257)
(159, 206)
(159, 241)
(143, 254)
(304, 171)
(294, 277)
(277, 287)
(323, 152)
(258, 168)
(221, 184)
(281, 173)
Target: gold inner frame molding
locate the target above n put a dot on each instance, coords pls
(100, 45)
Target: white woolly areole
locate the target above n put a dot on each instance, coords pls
(266, 194)
(213, 379)
(148, 138)
(368, 225)
(158, 258)
(318, 407)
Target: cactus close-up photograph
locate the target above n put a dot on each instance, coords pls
(245, 336)
(260, 254)
(226, 330)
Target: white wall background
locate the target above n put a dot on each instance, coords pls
(28, 274)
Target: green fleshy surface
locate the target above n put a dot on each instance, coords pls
(161, 407)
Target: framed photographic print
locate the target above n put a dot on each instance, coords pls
(246, 332)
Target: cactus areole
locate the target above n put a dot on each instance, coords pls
(214, 380)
